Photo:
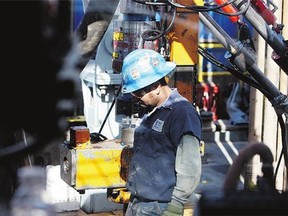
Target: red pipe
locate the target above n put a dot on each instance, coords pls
(264, 11)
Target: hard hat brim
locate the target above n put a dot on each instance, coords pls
(161, 72)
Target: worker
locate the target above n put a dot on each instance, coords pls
(165, 168)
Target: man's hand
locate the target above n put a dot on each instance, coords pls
(173, 210)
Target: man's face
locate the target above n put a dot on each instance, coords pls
(148, 95)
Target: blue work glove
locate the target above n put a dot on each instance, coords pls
(173, 210)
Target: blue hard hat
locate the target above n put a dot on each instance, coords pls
(143, 67)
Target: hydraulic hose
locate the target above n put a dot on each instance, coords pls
(240, 55)
(275, 40)
(233, 174)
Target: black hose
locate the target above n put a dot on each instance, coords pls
(246, 154)
(109, 111)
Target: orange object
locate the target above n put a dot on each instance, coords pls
(228, 9)
(79, 135)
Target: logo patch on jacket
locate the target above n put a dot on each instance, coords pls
(158, 125)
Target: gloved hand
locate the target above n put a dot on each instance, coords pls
(173, 210)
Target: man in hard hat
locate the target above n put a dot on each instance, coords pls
(166, 165)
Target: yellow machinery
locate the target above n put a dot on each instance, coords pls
(87, 165)
(97, 165)
(183, 40)
(184, 35)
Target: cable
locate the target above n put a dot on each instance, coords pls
(242, 11)
(110, 109)
(150, 3)
(214, 8)
(284, 146)
(233, 71)
(145, 34)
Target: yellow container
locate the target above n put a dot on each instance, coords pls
(100, 165)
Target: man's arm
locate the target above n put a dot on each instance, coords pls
(188, 173)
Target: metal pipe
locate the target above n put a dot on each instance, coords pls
(274, 39)
(271, 37)
(240, 55)
(218, 32)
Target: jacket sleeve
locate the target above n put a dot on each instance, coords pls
(188, 167)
